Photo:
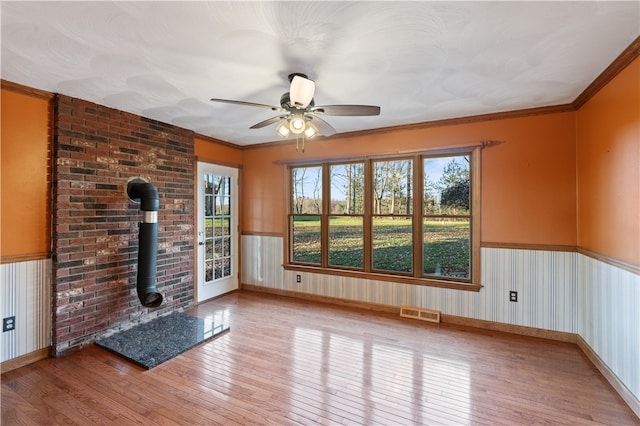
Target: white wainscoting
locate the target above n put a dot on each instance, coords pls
(26, 294)
(609, 317)
(546, 282)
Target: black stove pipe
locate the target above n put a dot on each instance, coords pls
(146, 194)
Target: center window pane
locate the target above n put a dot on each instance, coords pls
(392, 187)
(392, 241)
(346, 242)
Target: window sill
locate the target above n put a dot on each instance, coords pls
(429, 282)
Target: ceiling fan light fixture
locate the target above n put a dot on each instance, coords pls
(283, 129)
(297, 124)
(311, 130)
(301, 91)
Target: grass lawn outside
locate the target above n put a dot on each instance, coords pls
(446, 244)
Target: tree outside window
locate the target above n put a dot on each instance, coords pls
(447, 216)
(411, 217)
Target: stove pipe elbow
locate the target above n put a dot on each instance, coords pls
(141, 191)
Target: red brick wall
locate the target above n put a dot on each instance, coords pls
(95, 225)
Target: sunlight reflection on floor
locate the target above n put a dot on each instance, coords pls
(390, 376)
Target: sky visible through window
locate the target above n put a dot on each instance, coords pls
(434, 173)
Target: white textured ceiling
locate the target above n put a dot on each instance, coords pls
(419, 61)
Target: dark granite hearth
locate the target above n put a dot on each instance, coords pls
(161, 339)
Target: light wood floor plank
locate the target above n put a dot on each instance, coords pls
(293, 362)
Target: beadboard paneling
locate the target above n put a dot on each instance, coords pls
(545, 282)
(262, 260)
(26, 294)
(608, 320)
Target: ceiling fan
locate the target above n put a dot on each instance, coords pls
(298, 113)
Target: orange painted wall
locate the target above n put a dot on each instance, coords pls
(608, 163)
(528, 181)
(208, 150)
(549, 170)
(25, 224)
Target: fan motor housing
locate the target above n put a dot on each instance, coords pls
(299, 74)
(285, 102)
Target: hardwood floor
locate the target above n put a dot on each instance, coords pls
(287, 361)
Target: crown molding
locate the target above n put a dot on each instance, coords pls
(620, 63)
(217, 141)
(26, 90)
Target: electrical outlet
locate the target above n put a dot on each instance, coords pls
(298, 278)
(513, 296)
(9, 324)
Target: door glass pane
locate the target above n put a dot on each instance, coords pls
(447, 250)
(219, 227)
(226, 247)
(226, 267)
(218, 206)
(218, 269)
(208, 227)
(208, 205)
(208, 253)
(306, 239)
(226, 208)
(392, 241)
(346, 243)
(208, 270)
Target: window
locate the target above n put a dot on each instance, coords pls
(405, 219)
(346, 223)
(306, 216)
(447, 216)
(392, 219)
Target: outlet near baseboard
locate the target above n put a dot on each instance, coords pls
(8, 323)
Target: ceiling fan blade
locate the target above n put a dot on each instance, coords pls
(353, 110)
(268, 121)
(253, 104)
(324, 128)
(301, 91)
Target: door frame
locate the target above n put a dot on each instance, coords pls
(235, 232)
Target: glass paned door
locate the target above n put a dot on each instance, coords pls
(217, 230)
